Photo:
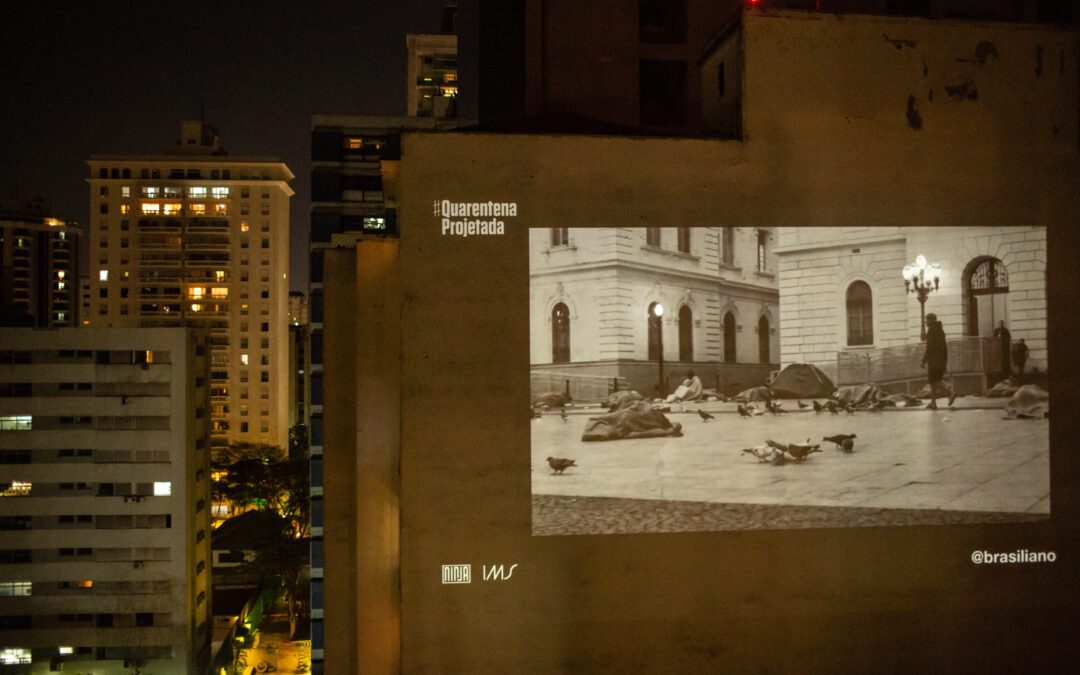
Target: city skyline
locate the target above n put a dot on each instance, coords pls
(92, 82)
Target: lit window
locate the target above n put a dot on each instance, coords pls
(197, 192)
(219, 275)
(374, 223)
(12, 588)
(196, 307)
(244, 359)
(220, 192)
(13, 656)
(221, 209)
(354, 143)
(172, 209)
(244, 227)
(173, 192)
(84, 584)
(197, 291)
(125, 191)
(151, 192)
(219, 292)
(103, 275)
(15, 489)
(197, 209)
(125, 208)
(66, 650)
(151, 209)
(162, 489)
(16, 422)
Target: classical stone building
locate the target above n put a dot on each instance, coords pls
(845, 307)
(594, 293)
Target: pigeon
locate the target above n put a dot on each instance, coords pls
(744, 411)
(778, 446)
(774, 408)
(848, 445)
(831, 407)
(803, 406)
(763, 453)
(838, 439)
(800, 452)
(705, 417)
(817, 406)
(558, 465)
(562, 414)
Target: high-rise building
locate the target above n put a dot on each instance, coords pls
(39, 266)
(196, 237)
(299, 361)
(104, 500)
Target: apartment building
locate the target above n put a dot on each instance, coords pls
(104, 500)
(196, 237)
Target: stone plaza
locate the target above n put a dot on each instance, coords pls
(909, 466)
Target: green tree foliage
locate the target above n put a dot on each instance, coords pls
(251, 475)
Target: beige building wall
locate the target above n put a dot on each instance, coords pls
(609, 277)
(817, 265)
(106, 498)
(219, 262)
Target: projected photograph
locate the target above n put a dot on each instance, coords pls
(740, 378)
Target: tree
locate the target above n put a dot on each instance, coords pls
(261, 476)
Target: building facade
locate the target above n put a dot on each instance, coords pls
(432, 76)
(594, 294)
(843, 298)
(39, 267)
(197, 237)
(104, 500)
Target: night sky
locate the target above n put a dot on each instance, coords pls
(105, 78)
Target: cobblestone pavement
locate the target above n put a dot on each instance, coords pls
(601, 515)
(908, 465)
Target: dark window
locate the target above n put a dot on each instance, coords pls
(662, 21)
(560, 236)
(729, 338)
(763, 340)
(655, 338)
(686, 334)
(560, 334)
(762, 250)
(729, 246)
(684, 239)
(860, 314)
(662, 97)
(652, 236)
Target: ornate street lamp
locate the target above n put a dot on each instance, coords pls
(658, 317)
(921, 278)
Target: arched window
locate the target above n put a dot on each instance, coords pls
(560, 334)
(655, 339)
(763, 339)
(860, 314)
(986, 282)
(729, 338)
(686, 334)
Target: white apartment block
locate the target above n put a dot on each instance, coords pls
(104, 500)
(195, 237)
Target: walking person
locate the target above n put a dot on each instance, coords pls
(1019, 356)
(935, 359)
(1003, 334)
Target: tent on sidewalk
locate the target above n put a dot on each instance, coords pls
(802, 380)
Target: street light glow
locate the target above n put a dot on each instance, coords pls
(658, 310)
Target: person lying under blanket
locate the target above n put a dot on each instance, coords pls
(637, 420)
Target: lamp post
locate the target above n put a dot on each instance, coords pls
(921, 278)
(658, 317)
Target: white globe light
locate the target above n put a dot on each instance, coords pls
(920, 261)
(658, 309)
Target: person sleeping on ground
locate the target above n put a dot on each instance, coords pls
(636, 420)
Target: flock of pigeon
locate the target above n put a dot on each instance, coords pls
(771, 451)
